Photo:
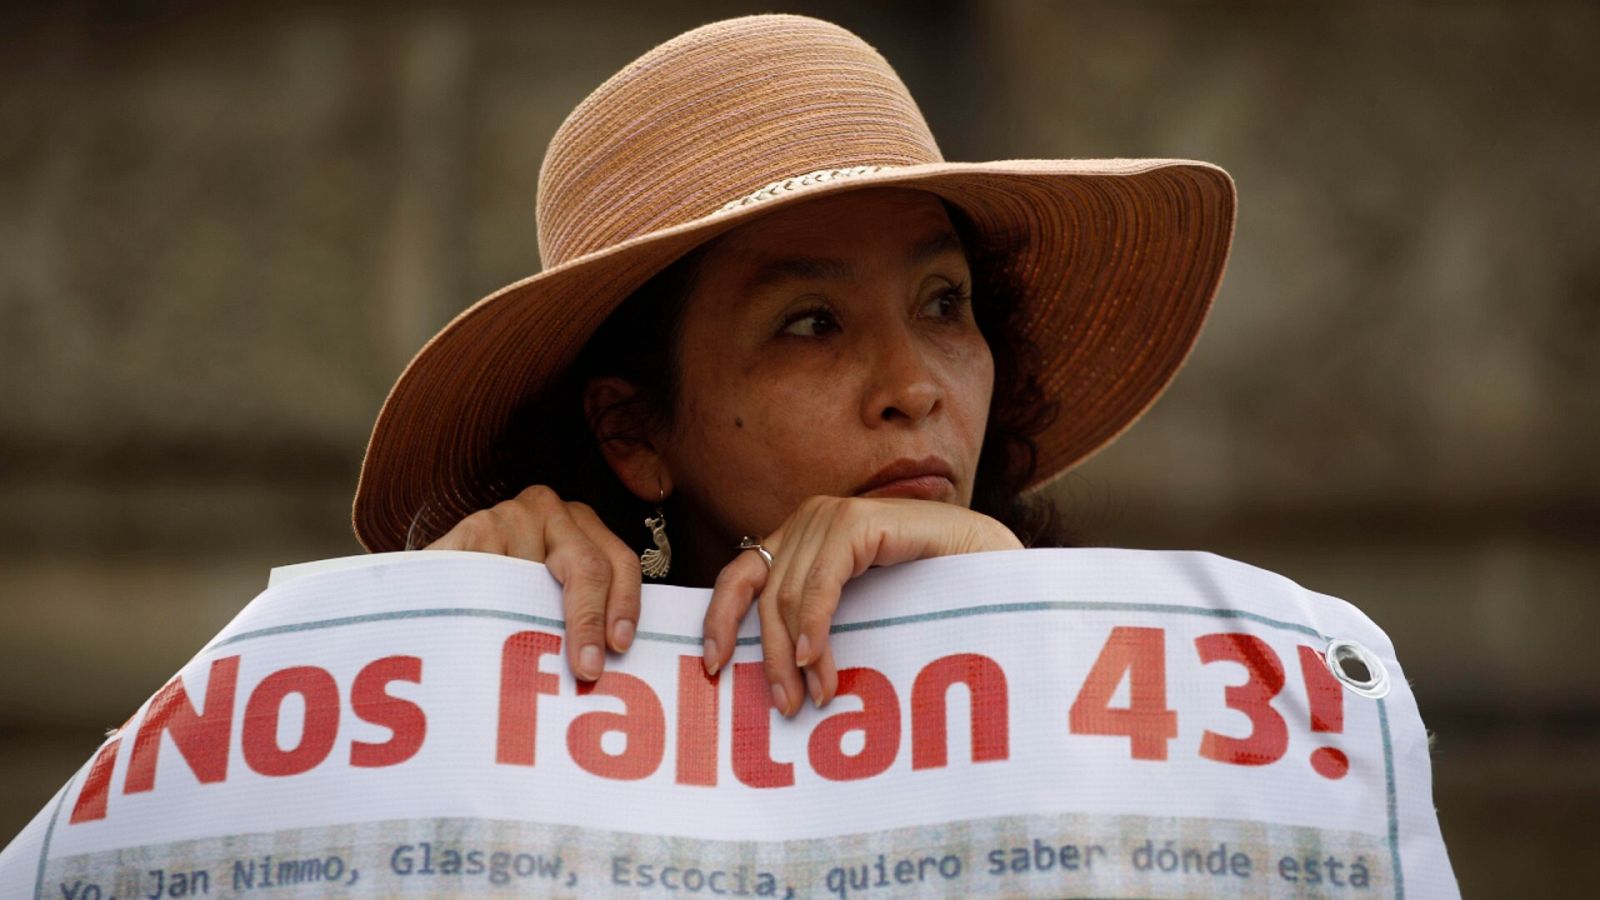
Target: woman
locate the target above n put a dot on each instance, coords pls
(769, 308)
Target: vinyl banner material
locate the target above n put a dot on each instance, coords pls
(1104, 723)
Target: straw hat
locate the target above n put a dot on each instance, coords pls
(1118, 259)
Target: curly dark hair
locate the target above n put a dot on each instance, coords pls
(641, 341)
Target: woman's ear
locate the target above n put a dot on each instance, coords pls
(620, 424)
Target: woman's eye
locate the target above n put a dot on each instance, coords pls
(948, 304)
(812, 323)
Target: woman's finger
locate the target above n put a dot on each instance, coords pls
(822, 678)
(780, 593)
(622, 603)
(788, 687)
(520, 531)
(585, 575)
(475, 532)
(816, 599)
(819, 601)
(804, 531)
(736, 588)
(810, 612)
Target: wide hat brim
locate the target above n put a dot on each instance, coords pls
(1118, 261)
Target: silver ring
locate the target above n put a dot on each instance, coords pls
(749, 543)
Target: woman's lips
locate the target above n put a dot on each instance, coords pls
(930, 478)
(920, 487)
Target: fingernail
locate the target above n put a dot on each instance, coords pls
(814, 685)
(780, 699)
(622, 634)
(710, 657)
(589, 662)
(802, 650)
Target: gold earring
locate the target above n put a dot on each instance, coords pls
(655, 562)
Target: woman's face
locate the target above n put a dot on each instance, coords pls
(828, 348)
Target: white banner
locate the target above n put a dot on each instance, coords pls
(1106, 723)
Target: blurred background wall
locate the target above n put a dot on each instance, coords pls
(223, 231)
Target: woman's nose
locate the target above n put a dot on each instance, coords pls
(902, 385)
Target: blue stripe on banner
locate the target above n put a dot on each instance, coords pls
(461, 612)
(44, 851)
(1080, 606)
(661, 637)
(1394, 819)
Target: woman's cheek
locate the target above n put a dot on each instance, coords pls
(969, 373)
(802, 416)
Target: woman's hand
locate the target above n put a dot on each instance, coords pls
(599, 574)
(826, 542)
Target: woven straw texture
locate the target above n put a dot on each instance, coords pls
(1119, 259)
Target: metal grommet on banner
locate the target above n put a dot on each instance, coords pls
(1357, 668)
